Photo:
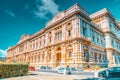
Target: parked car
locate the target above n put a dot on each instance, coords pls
(67, 71)
(79, 70)
(63, 70)
(43, 67)
(31, 68)
(110, 72)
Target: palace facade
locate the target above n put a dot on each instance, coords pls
(72, 37)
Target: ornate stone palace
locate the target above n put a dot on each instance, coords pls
(72, 37)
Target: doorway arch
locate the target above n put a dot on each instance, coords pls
(58, 56)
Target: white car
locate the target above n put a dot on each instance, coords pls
(61, 70)
(79, 70)
(64, 70)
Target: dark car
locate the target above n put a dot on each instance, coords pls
(110, 72)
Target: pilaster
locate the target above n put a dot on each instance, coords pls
(63, 32)
(76, 54)
(63, 58)
(110, 57)
(53, 57)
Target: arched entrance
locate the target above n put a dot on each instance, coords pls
(58, 56)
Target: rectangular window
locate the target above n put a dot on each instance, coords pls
(50, 39)
(40, 43)
(59, 36)
(69, 33)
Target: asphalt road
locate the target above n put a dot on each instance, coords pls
(55, 76)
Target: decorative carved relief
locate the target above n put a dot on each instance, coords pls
(58, 16)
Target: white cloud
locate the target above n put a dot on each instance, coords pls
(48, 6)
(3, 53)
(10, 13)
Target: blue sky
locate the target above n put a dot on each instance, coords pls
(19, 17)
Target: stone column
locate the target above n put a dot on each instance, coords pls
(80, 27)
(28, 59)
(63, 58)
(63, 32)
(119, 60)
(81, 53)
(41, 58)
(24, 59)
(37, 58)
(89, 53)
(46, 39)
(53, 36)
(110, 57)
(53, 57)
(45, 58)
(76, 54)
(108, 41)
(77, 26)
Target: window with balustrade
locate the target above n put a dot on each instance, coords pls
(58, 36)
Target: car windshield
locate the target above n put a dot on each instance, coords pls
(79, 68)
(61, 69)
(117, 69)
(67, 68)
(110, 69)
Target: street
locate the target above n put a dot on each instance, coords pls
(56, 76)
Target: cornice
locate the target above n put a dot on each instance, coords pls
(111, 33)
(94, 26)
(98, 47)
